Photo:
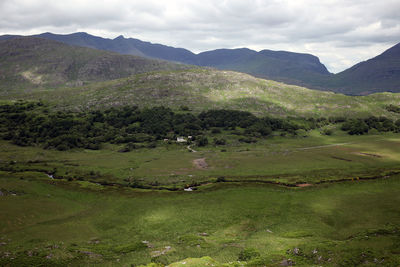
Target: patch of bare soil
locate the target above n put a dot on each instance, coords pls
(303, 185)
(200, 163)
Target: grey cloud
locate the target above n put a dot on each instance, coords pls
(328, 29)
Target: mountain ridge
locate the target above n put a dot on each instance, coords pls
(32, 62)
(378, 74)
(278, 65)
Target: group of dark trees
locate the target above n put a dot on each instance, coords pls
(393, 108)
(27, 123)
(363, 126)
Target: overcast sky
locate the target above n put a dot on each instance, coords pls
(340, 32)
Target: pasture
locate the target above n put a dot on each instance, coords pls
(236, 214)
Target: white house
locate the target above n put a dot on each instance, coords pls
(181, 139)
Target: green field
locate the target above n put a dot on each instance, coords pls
(235, 214)
(290, 160)
(60, 222)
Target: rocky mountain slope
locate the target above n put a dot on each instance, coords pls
(31, 62)
(295, 68)
(379, 74)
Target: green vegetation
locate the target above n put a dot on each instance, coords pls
(30, 123)
(84, 207)
(196, 167)
(206, 89)
(393, 108)
(56, 222)
(229, 145)
(33, 124)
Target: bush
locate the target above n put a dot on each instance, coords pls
(248, 254)
(355, 127)
(219, 141)
(393, 108)
(248, 140)
(184, 108)
(129, 147)
(221, 179)
(202, 141)
(327, 131)
(62, 147)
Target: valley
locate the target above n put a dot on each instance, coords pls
(237, 217)
(116, 160)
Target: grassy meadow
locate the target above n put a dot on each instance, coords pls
(56, 222)
(288, 160)
(234, 218)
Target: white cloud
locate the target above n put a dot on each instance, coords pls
(340, 32)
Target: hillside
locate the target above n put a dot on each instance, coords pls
(294, 68)
(379, 74)
(201, 89)
(31, 62)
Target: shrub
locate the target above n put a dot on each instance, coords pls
(219, 141)
(327, 131)
(202, 141)
(184, 108)
(221, 179)
(248, 254)
(62, 147)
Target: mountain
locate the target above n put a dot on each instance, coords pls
(379, 74)
(126, 46)
(285, 66)
(277, 65)
(31, 62)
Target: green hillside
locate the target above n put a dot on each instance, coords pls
(27, 63)
(201, 89)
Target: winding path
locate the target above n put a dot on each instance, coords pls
(191, 149)
(313, 147)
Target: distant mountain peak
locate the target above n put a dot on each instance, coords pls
(381, 73)
(393, 51)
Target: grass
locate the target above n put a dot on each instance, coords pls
(289, 160)
(74, 220)
(82, 226)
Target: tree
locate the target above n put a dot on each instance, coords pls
(201, 141)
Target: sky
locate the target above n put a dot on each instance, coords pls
(340, 32)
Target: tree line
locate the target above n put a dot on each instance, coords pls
(35, 124)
